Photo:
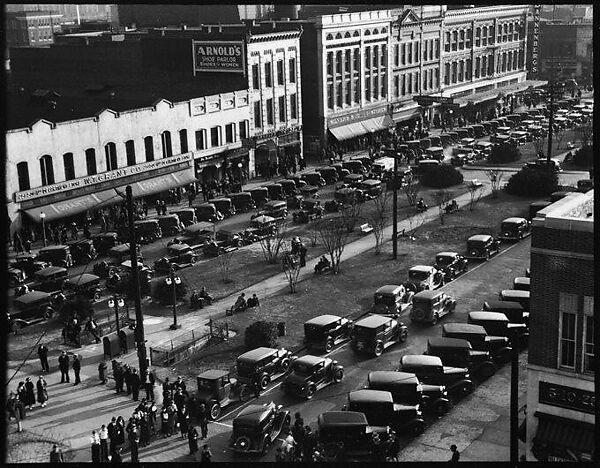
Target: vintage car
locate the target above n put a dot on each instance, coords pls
(275, 191)
(462, 156)
(515, 229)
(537, 206)
(313, 178)
(502, 139)
(119, 253)
(522, 283)
(30, 308)
(309, 191)
(179, 256)
(498, 346)
(261, 365)
(103, 242)
(260, 195)
(217, 389)
(28, 263)
(208, 212)
(355, 166)
(406, 388)
(447, 140)
(146, 231)
(169, 224)
(430, 370)
(243, 201)
(57, 255)
(49, 279)
(371, 188)
(374, 333)
(514, 295)
(257, 427)
(289, 187)
(434, 152)
(425, 143)
(479, 131)
(277, 209)
(294, 201)
(430, 306)
(309, 210)
(520, 137)
(187, 216)
(458, 352)
(391, 299)
(435, 140)
(298, 180)
(584, 185)
(381, 410)
(120, 279)
(554, 164)
(348, 431)
(326, 331)
(422, 277)
(382, 166)
(311, 373)
(15, 276)
(497, 324)
(224, 205)
(513, 310)
(482, 246)
(347, 196)
(353, 180)
(483, 149)
(82, 250)
(83, 285)
(199, 233)
(451, 264)
(329, 174)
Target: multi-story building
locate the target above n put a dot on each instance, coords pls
(561, 369)
(31, 28)
(70, 12)
(157, 15)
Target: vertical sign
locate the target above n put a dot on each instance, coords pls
(537, 10)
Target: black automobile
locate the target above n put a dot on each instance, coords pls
(15, 276)
(451, 264)
(355, 166)
(30, 308)
(105, 241)
(515, 229)
(289, 187)
(277, 209)
(314, 178)
(179, 256)
(298, 180)
(514, 311)
(482, 246)
(516, 295)
(57, 255)
(261, 365)
(430, 306)
(242, 201)
(260, 195)
(326, 331)
(208, 212)
(86, 284)
(498, 346)
(406, 388)
(391, 299)
(119, 253)
(381, 410)
(257, 427)
(28, 263)
(311, 373)
(146, 231)
(49, 279)
(424, 277)
(224, 205)
(226, 239)
(275, 191)
(459, 353)
(430, 370)
(82, 250)
(329, 174)
(217, 390)
(170, 225)
(496, 323)
(309, 211)
(199, 233)
(374, 333)
(187, 216)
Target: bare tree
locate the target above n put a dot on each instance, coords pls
(559, 136)
(539, 144)
(411, 190)
(224, 260)
(350, 214)
(333, 233)
(415, 221)
(272, 245)
(475, 192)
(495, 177)
(441, 198)
(291, 269)
(314, 234)
(585, 133)
(379, 218)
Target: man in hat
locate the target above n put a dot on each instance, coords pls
(76, 368)
(63, 365)
(43, 355)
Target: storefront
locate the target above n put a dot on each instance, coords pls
(280, 147)
(561, 439)
(349, 127)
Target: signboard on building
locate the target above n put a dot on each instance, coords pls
(356, 116)
(219, 56)
(567, 397)
(535, 46)
(429, 100)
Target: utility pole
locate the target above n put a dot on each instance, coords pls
(514, 400)
(395, 210)
(551, 119)
(139, 316)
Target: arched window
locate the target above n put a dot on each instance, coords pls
(347, 35)
(447, 42)
(356, 34)
(46, 170)
(69, 166)
(149, 148)
(509, 63)
(461, 44)
(183, 141)
(110, 154)
(23, 176)
(167, 148)
(383, 30)
(477, 37)
(375, 56)
(130, 151)
(90, 161)
(329, 37)
(375, 31)
(367, 32)
(338, 36)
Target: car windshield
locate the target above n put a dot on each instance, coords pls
(205, 384)
(385, 299)
(302, 368)
(475, 244)
(362, 332)
(420, 300)
(418, 275)
(444, 260)
(509, 226)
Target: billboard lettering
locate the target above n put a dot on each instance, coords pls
(537, 11)
(222, 56)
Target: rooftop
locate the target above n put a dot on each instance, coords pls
(575, 212)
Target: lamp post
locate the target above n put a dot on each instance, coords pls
(43, 218)
(552, 85)
(240, 166)
(514, 398)
(173, 280)
(114, 303)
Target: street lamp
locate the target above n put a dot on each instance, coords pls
(43, 217)
(115, 302)
(240, 165)
(173, 280)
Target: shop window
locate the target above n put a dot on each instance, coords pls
(330, 63)
(257, 115)
(167, 148)
(282, 108)
(255, 76)
(183, 141)
(229, 133)
(567, 307)
(201, 143)
(90, 161)
(292, 69)
(446, 73)
(23, 176)
(293, 106)
(268, 75)
(110, 155)
(243, 129)
(270, 111)
(130, 152)
(588, 334)
(280, 76)
(149, 148)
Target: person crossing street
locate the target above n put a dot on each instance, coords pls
(63, 365)
(43, 355)
(76, 369)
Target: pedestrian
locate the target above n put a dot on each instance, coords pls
(179, 399)
(15, 410)
(42, 392)
(76, 369)
(288, 444)
(206, 455)
(203, 420)
(63, 365)
(56, 455)
(134, 445)
(127, 378)
(279, 456)
(119, 376)
(308, 444)
(120, 431)
(43, 355)
(112, 433)
(302, 255)
(253, 301)
(95, 441)
(192, 437)
(164, 422)
(184, 422)
(29, 393)
(115, 455)
(135, 384)
(92, 327)
(455, 454)
(148, 380)
(22, 394)
(181, 384)
(103, 437)
(102, 372)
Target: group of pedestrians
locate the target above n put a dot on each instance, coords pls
(25, 398)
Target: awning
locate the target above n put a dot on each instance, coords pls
(268, 145)
(65, 208)
(564, 433)
(346, 132)
(377, 123)
(493, 93)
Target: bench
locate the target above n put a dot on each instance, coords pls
(365, 228)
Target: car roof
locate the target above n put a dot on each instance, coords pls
(392, 377)
(145, 221)
(213, 374)
(372, 321)
(443, 342)
(263, 219)
(342, 418)
(370, 396)
(272, 184)
(184, 210)
(276, 202)
(310, 360)
(257, 354)
(120, 247)
(487, 315)
(201, 226)
(179, 247)
(253, 414)
(84, 278)
(216, 200)
(480, 237)
(371, 182)
(205, 205)
(447, 254)
(428, 294)
(389, 289)
(105, 234)
(424, 268)
(513, 219)
(540, 203)
(32, 296)
(522, 280)
(53, 247)
(469, 328)
(257, 189)
(50, 271)
(345, 190)
(323, 320)
(168, 216)
(515, 293)
(495, 304)
(410, 360)
(240, 194)
(127, 264)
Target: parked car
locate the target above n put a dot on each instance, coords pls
(326, 331)
(187, 216)
(391, 299)
(515, 228)
(217, 390)
(243, 201)
(179, 256)
(355, 166)
(381, 410)
(311, 373)
(329, 174)
(513, 310)
(451, 264)
(56, 255)
(224, 205)
(498, 346)
(374, 333)
(119, 253)
(146, 231)
(522, 283)
(289, 187)
(298, 180)
(513, 295)
(260, 195)
(275, 191)
(348, 196)
(497, 324)
(261, 365)
(199, 233)
(354, 180)
(257, 427)
(371, 188)
(169, 224)
(208, 212)
(430, 306)
(309, 210)
(28, 263)
(15, 276)
(49, 279)
(434, 152)
(277, 209)
(585, 185)
(543, 163)
(30, 308)
(313, 178)
(309, 191)
(86, 285)
(422, 277)
(82, 251)
(103, 242)
(459, 353)
(430, 370)
(482, 246)
(519, 137)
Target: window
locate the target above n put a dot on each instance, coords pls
(437, 77)
(403, 54)
(282, 108)
(509, 61)
(149, 148)
(425, 44)
(23, 176)
(338, 95)
(409, 79)
(490, 37)
(454, 72)
(511, 28)
(201, 139)
(167, 148)
(417, 55)
(293, 106)
(454, 40)
(425, 80)
(588, 334)
(477, 65)
(110, 154)
(229, 133)
(403, 79)
(356, 60)
(567, 307)
(477, 37)
(461, 71)
(504, 62)
(447, 73)
(280, 76)
(484, 36)
(257, 115)
(491, 64)
(215, 136)
(431, 79)
(68, 165)
(417, 82)
(396, 86)
(357, 90)
(505, 33)
(368, 58)
(255, 76)
(292, 70)
(368, 89)
(447, 42)
(469, 38)
(130, 152)
(242, 129)
(348, 95)
(515, 60)
(330, 96)
(183, 141)
(468, 68)
(338, 62)
(347, 61)
(375, 56)
(410, 51)
(90, 161)
(268, 75)
(396, 55)
(484, 66)
(270, 111)
(437, 48)
(431, 45)
(330, 63)
(461, 43)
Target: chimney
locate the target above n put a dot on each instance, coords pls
(184, 27)
(209, 29)
(220, 28)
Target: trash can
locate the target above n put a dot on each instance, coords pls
(281, 328)
(127, 339)
(111, 345)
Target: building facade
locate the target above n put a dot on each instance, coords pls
(31, 28)
(560, 393)
(71, 13)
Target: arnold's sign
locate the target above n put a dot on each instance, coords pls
(221, 56)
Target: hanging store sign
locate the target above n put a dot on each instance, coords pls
(535, 46)
(567, 397)
(221, 56)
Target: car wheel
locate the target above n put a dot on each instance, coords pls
(418, 428)
(403, 336)
(193, 259)
(238, 244)
(328, 345)
(96, 296)
(338, 375)
(285, 365)
(266, 445)
(242, 443)
(215, 411)
(263, 382)
(245, 393)
(467, 388)
(310, 392)
(441, 408)
(378, 349)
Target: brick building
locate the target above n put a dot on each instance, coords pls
(561, 368)
(31, 28)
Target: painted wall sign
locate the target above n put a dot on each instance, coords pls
(356, 116)
(567, 397)
(221, 56)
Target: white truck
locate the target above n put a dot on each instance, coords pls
(382, 165)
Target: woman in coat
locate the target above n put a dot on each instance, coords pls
(29, 393)
(164, 421)
(184, 422)
(22, 394)
(42, 392)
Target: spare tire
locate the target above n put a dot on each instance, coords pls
(242, 443)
